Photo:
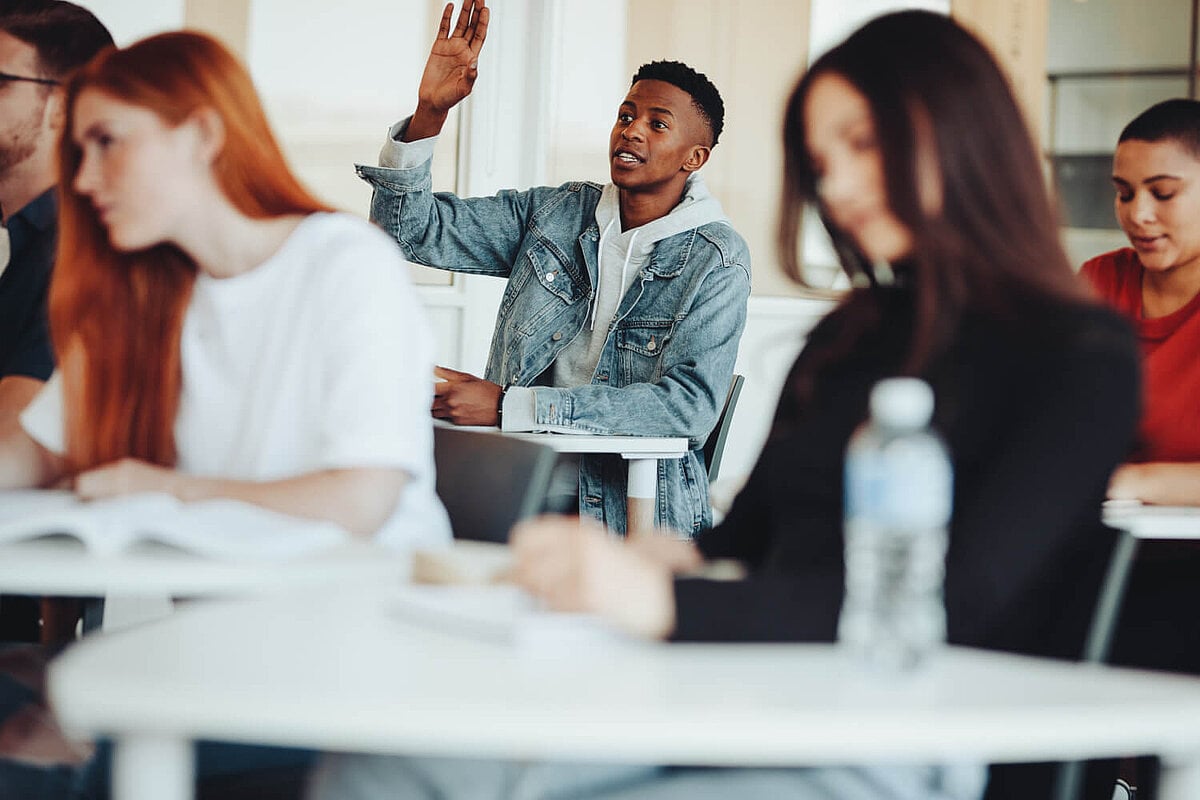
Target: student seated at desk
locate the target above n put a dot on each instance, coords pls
(908, 140)
(219, 332)
(624, 303)
(1155, 283)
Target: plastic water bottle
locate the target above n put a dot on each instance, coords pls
(899, 490)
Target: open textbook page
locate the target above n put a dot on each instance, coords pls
(224, 529)
(502, 614)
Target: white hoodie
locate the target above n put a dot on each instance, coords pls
(621, 256)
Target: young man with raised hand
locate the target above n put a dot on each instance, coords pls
(624, 303)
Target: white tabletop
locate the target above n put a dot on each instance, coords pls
(354, 672)
(641, 452)
(61, 566)
(630, 447)
(1154, 522)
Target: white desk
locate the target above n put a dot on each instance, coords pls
(1154, 522)
(347, 673)
(642, 453)
(65, 568)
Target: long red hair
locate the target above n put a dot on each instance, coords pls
(116, 317)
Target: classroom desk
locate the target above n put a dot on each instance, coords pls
(65, 568)
(1154, 522)
(352, 672)
(642, 453)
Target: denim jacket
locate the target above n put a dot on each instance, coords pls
(668, 360)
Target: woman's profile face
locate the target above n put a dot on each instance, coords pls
(840, 134)
(1158, 202)
(133, 169)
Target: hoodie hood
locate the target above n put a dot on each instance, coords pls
(620, 257)
(629, 249)
(698, 207)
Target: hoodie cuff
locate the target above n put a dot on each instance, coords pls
(519, 409)
(405, 155)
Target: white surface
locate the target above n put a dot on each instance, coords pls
(642, 453)
(629, 447)
(1154, 522)
(220, 528)
(64, 567)
(346, 672)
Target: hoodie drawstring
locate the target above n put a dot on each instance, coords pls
(599, 274)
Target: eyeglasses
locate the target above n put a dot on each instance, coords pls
(6, 78)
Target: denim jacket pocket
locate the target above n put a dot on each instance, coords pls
(640, 347)
(550, 273)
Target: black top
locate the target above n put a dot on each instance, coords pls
(24, 336)
(1036, 413)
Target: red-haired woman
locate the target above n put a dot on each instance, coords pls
(219, 332)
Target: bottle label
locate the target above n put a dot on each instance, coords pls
(905, 483)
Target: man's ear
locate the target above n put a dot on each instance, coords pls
(210, 132)
(697, 158)
(56, 109)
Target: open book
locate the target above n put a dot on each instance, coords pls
(224, 529)
(500, 614)
(464, 589)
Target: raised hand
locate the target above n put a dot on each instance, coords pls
(452, 67)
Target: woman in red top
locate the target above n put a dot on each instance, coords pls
(1156, 284)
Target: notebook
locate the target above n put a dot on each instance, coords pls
(221, 529)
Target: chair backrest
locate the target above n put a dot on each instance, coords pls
(488, 481)
(715, 445)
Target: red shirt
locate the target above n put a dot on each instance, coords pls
(1170, 345)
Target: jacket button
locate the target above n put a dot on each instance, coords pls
(557, 335)
(651, 345)
(550, 277)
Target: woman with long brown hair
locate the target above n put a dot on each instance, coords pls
(220, 332)
(908, 140)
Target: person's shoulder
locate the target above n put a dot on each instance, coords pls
(1056, 330)
(576, 191)
(331, 231)
(1110, 269)
(337, 246)
(724, 239)
(548, 199)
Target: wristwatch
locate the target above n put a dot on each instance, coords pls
(500, 407)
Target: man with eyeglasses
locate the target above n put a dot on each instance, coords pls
(41, 43)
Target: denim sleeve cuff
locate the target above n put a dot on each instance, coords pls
(405, 155)
(519, 407)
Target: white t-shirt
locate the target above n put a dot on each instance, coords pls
(318, 358)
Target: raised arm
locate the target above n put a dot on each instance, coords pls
(451, 70)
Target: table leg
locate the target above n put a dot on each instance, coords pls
(153, 768)
(1179, 779)
(643, 494)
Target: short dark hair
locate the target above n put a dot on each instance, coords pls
(1176, 120)
(705, 97)
(64, 35)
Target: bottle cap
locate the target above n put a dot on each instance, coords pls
(902, 403)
